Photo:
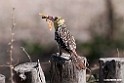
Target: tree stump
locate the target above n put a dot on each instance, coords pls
(29, 72)
(111, 70)
(2, 78)
(63, 70)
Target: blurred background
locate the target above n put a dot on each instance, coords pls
(97, 26)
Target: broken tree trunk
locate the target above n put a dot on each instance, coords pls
(63, 70)
(2, 78)
(111, 70)
(30, 72)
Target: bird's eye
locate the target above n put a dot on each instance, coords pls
(55, 18)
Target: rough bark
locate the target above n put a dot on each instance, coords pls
(111, 70)
(2, 78)
(63, 70)
(30, 72)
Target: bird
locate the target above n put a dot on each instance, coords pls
(65, 40)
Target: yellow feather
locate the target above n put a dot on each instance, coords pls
(59, 22)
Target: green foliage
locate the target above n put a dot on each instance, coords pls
(34, 48)
(39, 51)
(100, 47)
(92, 79)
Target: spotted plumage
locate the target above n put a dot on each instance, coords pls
(66, 41)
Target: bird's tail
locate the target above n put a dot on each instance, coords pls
(77, 61)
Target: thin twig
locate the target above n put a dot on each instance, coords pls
(4, 65)
(26, 53)
(10, 63)
(118, 52)
(11, 48)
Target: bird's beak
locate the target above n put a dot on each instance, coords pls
(43, 16)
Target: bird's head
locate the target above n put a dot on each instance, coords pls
(58, 21)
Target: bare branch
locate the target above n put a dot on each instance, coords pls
(26, 53)
(4, 65)
(118, 52)
(11, 47)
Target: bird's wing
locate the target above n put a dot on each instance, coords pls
(65, 39)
